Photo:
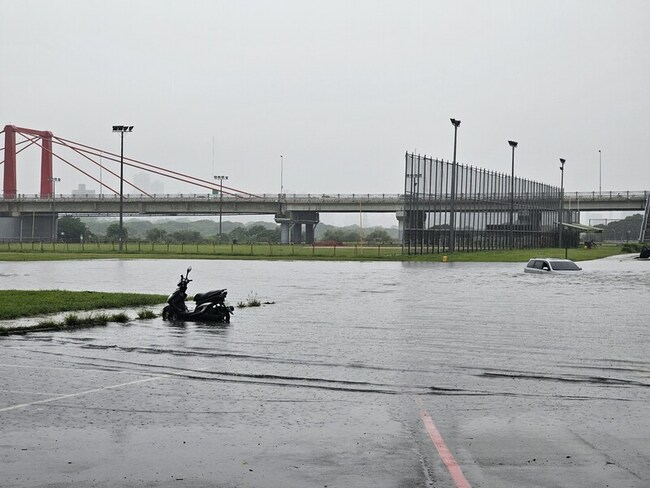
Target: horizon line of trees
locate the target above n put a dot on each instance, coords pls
(72, 229)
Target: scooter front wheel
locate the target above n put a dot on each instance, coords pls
(168, 313)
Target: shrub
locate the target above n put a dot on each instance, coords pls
(72, 320)
(120, 318)
(632, 247)
(145, 313)
(251, 301)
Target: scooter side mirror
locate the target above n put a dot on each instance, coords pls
(189, 268)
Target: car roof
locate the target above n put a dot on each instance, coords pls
(550, 259)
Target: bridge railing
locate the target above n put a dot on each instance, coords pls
(265, 197)
(607, 195)
(316, 197)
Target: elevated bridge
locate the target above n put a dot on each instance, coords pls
(293, 211)
(25, 216)
(273, 203)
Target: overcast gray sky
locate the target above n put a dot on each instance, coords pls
(340, 88)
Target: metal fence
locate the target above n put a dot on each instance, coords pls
(457, 207)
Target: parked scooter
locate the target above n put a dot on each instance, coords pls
(210, 306)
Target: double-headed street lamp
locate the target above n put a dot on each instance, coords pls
(452, 203)
(54, 180)
(513, 145)
(122, 129)
(220, 178)
(562, 161)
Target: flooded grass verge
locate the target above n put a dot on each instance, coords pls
(73, 321)
(30, 303)
(265, 251)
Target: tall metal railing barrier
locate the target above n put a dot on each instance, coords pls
(484, 209)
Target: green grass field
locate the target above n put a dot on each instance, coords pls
(30, 303)
(141, 250)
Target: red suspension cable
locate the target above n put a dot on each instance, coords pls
(163, 171)
(80, 152)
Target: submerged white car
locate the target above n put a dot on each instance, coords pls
(551, 265)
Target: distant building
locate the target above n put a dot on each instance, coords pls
(82, 191)
(147, 185)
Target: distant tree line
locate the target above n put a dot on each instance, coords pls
(73, 229)
(624, 230)
(343, 235)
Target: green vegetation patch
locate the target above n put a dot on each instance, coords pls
(145, 313)
(74, 321)
(266, 251)
(30, 303)
(523, 255)
(251, 301)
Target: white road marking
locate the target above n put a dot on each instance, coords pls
(72, 395)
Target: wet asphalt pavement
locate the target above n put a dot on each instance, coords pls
(530, 381)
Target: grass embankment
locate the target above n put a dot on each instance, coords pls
(31, 303)
(144, 250)
(141, 250)
(523, 255)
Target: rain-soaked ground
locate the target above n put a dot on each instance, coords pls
(360, 375)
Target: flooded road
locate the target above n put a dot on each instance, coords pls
(528, 380)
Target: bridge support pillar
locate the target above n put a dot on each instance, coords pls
(296, 233)
(285, 228)
(400, 215)
(309, 233)
(291, 224)
(27, 227)
(411, 224)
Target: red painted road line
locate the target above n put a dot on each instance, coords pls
(445, 454)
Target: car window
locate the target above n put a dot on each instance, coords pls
(565, 266)
(538, 264)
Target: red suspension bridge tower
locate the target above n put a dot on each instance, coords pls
(33, 136)
(40, 220)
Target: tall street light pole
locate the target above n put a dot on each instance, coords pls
(562, 161)
(600, 172)
(281, 175)
(54, 180)
(511, 240)
(452, 203)
(220, 178)
(101, 184)
(122, 129)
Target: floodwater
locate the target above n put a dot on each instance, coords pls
(531, 381)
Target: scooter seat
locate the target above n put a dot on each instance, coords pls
(210, 296)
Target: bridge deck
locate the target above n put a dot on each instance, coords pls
(209, 204)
